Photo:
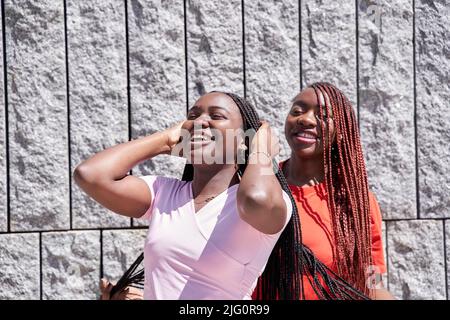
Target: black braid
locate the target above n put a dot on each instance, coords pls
(290, 260)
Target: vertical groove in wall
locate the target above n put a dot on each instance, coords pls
(5, 100)
(66, 47)
(357, 59)
(40, 264)
(243, 49)
(101, 254)
(387, 253)
(127, 57)
(186, 55)
(445, 261)
(415, 110)
(300, 41)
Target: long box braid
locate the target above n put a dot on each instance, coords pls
(347, 188)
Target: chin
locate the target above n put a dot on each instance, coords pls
(205, 157)
(307, 152)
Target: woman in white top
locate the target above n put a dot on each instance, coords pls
(211, 234)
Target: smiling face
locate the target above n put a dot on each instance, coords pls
(212, 124)
(303, 127)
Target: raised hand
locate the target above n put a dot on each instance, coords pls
(129, 293)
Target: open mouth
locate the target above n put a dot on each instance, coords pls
(201, 139)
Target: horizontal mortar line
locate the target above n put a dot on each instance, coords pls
(146, 227)
(82, 229)
(417, 219)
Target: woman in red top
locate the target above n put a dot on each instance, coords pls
(331, 248)
(340, 220)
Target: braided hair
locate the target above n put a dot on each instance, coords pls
(347, 188)
(289, 261)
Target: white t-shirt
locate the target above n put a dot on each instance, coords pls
(211, 254)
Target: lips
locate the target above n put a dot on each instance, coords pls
(306, 137)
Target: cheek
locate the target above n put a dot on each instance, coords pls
(225, 124)
(326, 129)
(227, 137)
(288, 124)
(333, 131)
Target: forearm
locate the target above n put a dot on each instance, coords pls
(260, 198)
(259, 181)
(104, 176)
(114, 163)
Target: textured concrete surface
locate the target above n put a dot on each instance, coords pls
(416, 259)
(70, 265)
(328, 34)
(3, 176)
(386, 276)
(447, 253)
(386, 91)
(433, 117)
(131, 71)
(97, 93)
(19, 266)
(272, 61)
(157, 74)
(37, 114)
(214, 44)
(120, 249)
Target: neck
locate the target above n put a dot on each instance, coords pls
(213, 179)
(304, 172)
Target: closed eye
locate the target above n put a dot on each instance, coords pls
(192, 116)
(217, 116)
(297, 111)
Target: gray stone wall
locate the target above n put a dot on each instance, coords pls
(79, 76)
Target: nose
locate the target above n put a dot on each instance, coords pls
(201, 121)
(307, 119)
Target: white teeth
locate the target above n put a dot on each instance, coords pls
(306, 135)
(199, 138)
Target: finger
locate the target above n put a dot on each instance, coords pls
(134, 296)
(263, 123)
(122, 295)
(119, 295)
(106, 292)
(183, 124)
(106, 289)
(103, 284)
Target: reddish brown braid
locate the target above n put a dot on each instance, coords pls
(347, 187)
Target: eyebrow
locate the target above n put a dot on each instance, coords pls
(215, 107)
(303, 104)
